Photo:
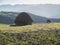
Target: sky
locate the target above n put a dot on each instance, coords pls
(53, 11)
(13, 2)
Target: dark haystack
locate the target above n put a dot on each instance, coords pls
(23, 19)
(48, 21)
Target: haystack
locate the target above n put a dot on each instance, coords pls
(23, 19)
(48, 21)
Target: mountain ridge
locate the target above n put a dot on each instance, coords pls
(47, 10)
(9, 17)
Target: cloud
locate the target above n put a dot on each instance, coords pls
(9, 2)
(40, 1)
(30, 1)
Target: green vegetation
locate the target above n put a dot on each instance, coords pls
(36, 34)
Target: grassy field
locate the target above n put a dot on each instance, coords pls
(34, 27)
(36, 34)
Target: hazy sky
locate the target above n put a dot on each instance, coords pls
(29, 2)
(48, 11)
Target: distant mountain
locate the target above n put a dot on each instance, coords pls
(5, 19)
(38, 19)
(55, 19)
(46, 10)
(9, 17)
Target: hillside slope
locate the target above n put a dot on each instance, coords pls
(9, 17)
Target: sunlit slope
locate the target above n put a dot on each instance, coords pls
(34, 27)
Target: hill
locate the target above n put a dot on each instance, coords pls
(9, 17)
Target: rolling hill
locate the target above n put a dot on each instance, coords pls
(9, 17)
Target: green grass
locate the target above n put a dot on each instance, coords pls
(36, 34)
(34, 27)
